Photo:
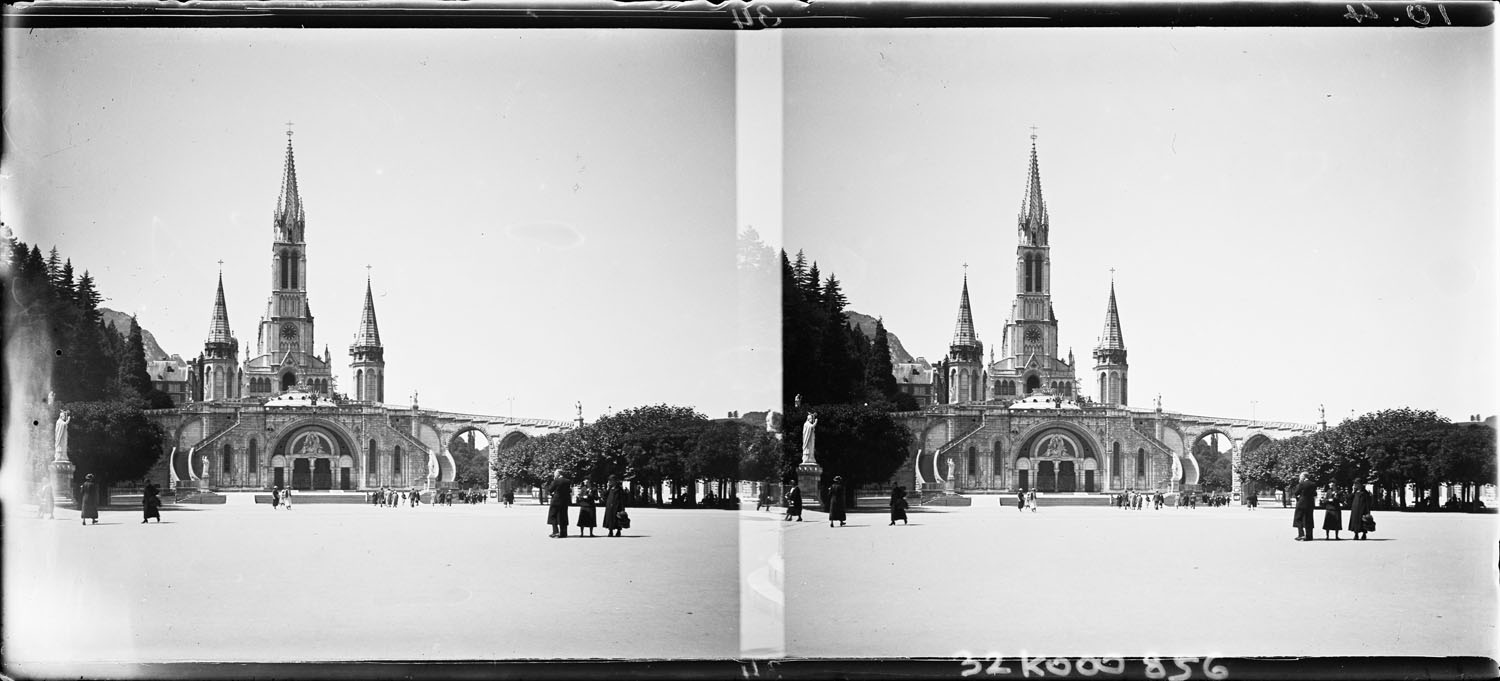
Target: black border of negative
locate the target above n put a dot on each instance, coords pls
(763, 15)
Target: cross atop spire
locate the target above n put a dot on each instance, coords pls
(289, 131)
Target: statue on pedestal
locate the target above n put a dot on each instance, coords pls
(950, 468)
(60, 435)
(810, 439)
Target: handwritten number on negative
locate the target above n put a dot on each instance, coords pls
(754, 16)
(1357, 16)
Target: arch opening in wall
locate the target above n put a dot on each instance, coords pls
(470, 449)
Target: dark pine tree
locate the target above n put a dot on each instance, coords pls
(881, 374)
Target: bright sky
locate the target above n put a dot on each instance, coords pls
(1295, 217)
(549, 216)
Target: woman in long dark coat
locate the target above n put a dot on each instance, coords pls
(614, 505)
(151, 503)
(898, 504)
(1359, 507)
(88, 500)
(1333, 518)
(561, 492)
(1306, 494)
(586, 515)
(836, 501)
(793, 501)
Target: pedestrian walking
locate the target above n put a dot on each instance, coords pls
(44, 501)
(88, 500)
(1306, 494)
(286, 498)
(898, 504)
(1021, 500)
(764, 500)
(615, 518)
(561, 492)
(586, 515)
(1360, 521)
(1254, 500)
(151, 503)
(1333, 520)
(793, 501)
(1031, 500)
(836, 502)
(510, 498)
(275, 497)
(416, 497)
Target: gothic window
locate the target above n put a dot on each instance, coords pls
(996, 459)
(1026, 266)
(1032, 384)
(1103, 383)
(359, 385)
(228, 457)
(295, 280)
(1140, 463)
(1114, 461)
(1067, 389)
(371, 457)
(396, 461)
(285, 269)
(1123, 392)
(973, 462)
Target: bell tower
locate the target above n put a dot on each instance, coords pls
(965, 379)
(367, 356)
(1109, 357)
(219, 364)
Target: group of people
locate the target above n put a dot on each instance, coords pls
(1026, 499)
(391, 497)
(281, 496)
(1361, 523)
(1133, 500)
(560, 491)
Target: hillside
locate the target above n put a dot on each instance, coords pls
(121, 322)
(866, 324)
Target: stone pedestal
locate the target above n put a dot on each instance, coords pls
(809, 476)
(62, 482)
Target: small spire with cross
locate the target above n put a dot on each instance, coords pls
(221, 266)
(289, 131)
(1033, 133)
(1111, 276)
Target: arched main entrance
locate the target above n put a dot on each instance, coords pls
(1061, 460)
(318, 458)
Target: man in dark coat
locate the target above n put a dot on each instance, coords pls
(793, 501)
(898, 504)
(1359, 507)
(151, 503)
(614, 505)
(561, 492)
(836, 502)
(88, 500)
(1306, 494)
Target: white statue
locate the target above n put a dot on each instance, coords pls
(204, 474)
(770, 421)
(60, 436)
(810, 439)
(950, 468)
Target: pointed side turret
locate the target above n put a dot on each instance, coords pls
(1109, 357)
(367, 355)
(965, 377)
(219, 365)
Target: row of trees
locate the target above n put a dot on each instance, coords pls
(56, 332)
(1389, 449)
(649, 446)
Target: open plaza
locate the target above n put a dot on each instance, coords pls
(240, 582)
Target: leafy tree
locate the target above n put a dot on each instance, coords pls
(471, 463)
(1214, 467)
(862, 444)
(113, 440)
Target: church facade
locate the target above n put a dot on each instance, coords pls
(1023, 421)
(277, 417)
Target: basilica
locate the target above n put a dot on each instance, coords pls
(276, 417)
(1023, 420)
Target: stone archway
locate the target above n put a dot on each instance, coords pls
(1062, 457)
(313, 456)
(497, 445)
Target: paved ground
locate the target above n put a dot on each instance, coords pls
(241, 582)
(346, 582)
(1102, 581)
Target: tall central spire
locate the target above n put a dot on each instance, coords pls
(289, 217)
(1032, 223)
